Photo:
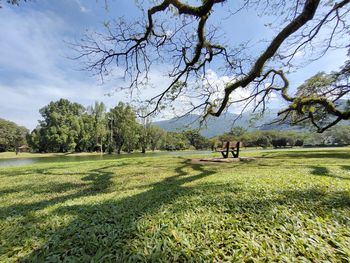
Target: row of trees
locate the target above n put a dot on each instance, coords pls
(11, 135)
(68, 126)
(337, 135)
(264, 138)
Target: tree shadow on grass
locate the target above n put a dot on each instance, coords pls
(339, 154)
(107, 231)
(111, 225)
(98, 181)
(320, 170)
(42, 188)
(324, 171)
(346, 167)
(318, 199)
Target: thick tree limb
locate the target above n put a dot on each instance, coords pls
(307, 14)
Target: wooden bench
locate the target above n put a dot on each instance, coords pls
(229, 147)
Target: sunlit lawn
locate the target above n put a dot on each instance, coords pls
(284, 206)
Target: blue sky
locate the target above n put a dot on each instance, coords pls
(34, 55)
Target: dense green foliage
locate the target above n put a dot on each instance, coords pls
(286, 206)
(174, 141)
(62, 129)
(156, 136)
(264, 138)
(11, 135)
(98, 113)
(69, 127)
(322, 101)
(124, 127)
(196, 140)
(338, 135)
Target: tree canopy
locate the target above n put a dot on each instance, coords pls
(322, 99)
(61, 127)
(124, 126)
(11, 135)
(184, 35)
(70, 127)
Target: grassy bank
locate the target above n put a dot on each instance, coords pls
(12, 155)
(284, 206)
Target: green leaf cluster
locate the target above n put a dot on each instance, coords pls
(11, 135)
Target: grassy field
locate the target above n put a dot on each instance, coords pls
(285, 206)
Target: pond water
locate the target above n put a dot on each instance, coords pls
(28, 161)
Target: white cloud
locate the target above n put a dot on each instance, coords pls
(212, 84)
(216, 85)
(29, 42)
(82, 8)
(34, 69)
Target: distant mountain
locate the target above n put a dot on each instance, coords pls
(213, 126)
(219, 125)
(216, 126)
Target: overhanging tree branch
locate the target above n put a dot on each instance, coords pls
(191, 45)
